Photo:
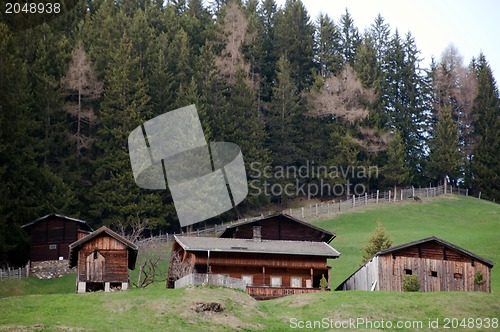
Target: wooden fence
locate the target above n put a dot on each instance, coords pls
(11, 273)
(196, 279)
(332, 207)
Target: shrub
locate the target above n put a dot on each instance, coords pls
(479, 278)
(323, 283)
(378, 241)
(411, 283)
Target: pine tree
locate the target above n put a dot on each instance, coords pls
(349, 37)
(445, 157)
(378, 241)
(485, 163)
(283, 116)
(396, 171)
(295, 39)
(115, 197)
(327, 45)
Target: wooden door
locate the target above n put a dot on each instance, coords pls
(95, 266)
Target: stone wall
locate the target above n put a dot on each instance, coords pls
(50, 269)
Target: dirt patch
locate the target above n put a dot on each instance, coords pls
(208, 306)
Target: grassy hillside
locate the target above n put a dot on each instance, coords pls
(467, 222)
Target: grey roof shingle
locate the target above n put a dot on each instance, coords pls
(252, 246)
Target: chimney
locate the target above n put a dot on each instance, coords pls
(257, 234)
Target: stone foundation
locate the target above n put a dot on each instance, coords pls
(50, 269)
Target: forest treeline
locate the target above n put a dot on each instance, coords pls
(289, 89)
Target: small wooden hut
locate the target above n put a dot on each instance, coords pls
(439, 265)
(102, 259)
(51, 235)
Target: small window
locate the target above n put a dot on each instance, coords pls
(247, 279)
(275, 281)
(408, 272)
(53, 246)
(433, 273)
(458, 276)
(296, 282)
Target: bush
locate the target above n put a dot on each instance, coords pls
(323, 283)
(411, 283)
(479, 278)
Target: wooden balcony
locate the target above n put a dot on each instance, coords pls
(268, 292)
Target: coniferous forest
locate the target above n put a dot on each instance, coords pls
(288, 88)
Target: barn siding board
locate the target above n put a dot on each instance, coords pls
(423, 259)
(53, 230)
(114, 250)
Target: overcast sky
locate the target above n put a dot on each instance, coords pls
(472, 26)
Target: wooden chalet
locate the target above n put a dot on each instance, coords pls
(270, 268)
(102, 259)
(278, 227)
(439, 265)
(51, 235)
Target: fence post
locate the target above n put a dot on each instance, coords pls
(353, 201)
(366, 198)
(291, 213)
(328, 208)
(467, 192)
(479, 195)
(401, 194)
(316, 209)
(412, 191)
(302, 209)
(389, 195)
(377, 196)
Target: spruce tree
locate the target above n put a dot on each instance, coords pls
(396, 171)
(378, 241)
(116, 199)
(445, 156)
(485, 163)
(295, 40)
(349, 37)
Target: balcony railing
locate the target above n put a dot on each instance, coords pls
(268, 292)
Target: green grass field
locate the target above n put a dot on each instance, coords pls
(466, 222)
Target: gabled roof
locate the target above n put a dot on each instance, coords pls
(416, 243)
(205, 244)
(441, 242)
(326, 234)
(75, 246)
(52, 215)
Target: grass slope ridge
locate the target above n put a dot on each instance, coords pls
(466, 222)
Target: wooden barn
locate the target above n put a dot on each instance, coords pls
(439, 265)
(278, 227)
(51, 235)
(270, 268)
(102, 259)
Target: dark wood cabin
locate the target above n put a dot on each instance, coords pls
(102, 259)
(278, 227)
(51, 235)
(270, 268)
(439, 265)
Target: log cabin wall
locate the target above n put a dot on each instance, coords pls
(114, 255)
(434, 274)
(277, 228)
(50, 239)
